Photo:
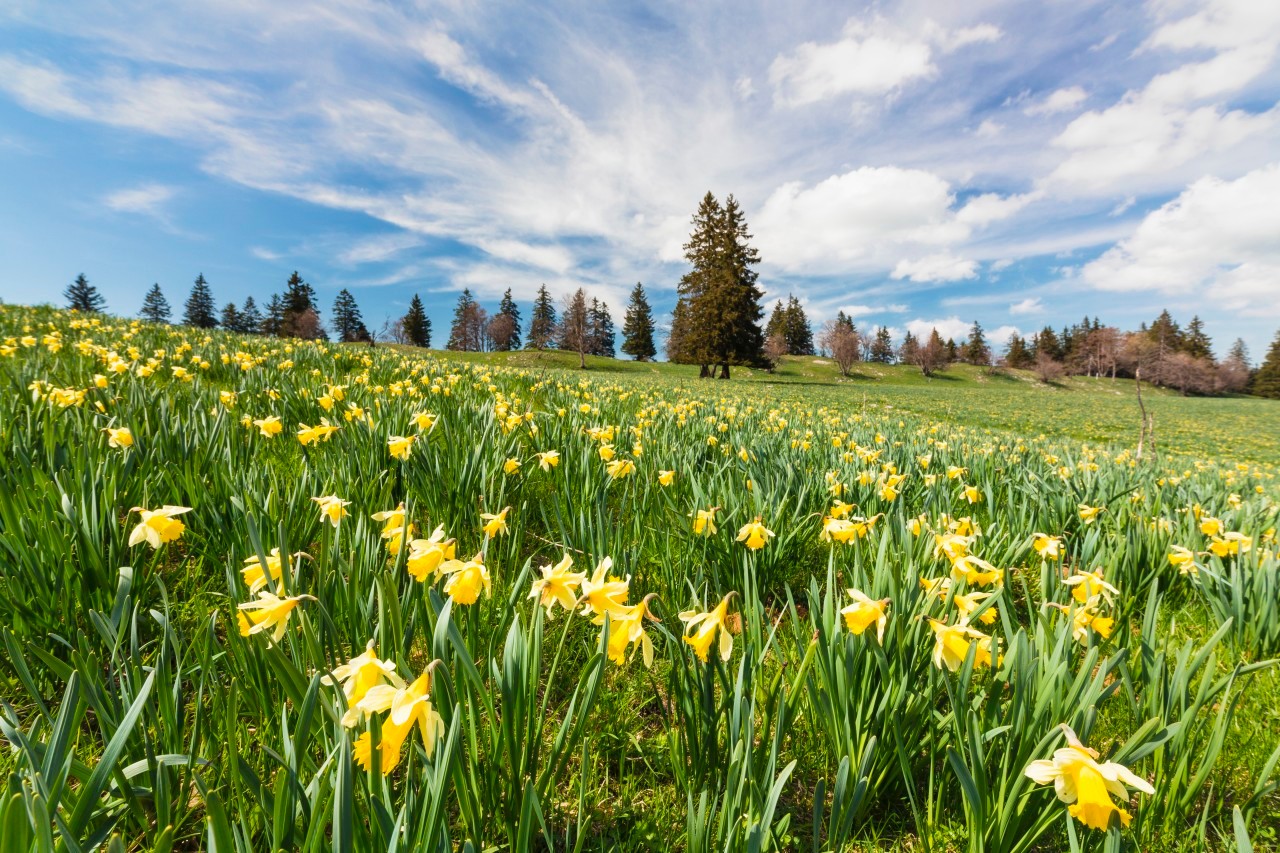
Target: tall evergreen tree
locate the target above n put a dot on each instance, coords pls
(347, 320)
(1266, 382)
(796, 329)
(1047, 344)
(230, 319)
(199, 310)
(250, 317)
(1016, 355)
(882, 349)
(273, 319)
(461, 338)
(718, 315)
(574, 331)
(416, 325)
(777, 325)
(542, 328)
(84, 297)
(1196, 342)
(976, 350)
(507, 330)
(637, 328)
(155, 308)
(601, 338)
(301, 315)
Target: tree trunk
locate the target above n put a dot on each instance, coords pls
(724, 370)
(582, 359)
(704, 372)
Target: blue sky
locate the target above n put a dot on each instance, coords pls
(914, 164)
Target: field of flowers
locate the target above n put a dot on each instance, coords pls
(262, 595)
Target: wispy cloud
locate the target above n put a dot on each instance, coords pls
(144, 200)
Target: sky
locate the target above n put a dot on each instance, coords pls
(914, 164)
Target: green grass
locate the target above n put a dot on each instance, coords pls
(137, 711)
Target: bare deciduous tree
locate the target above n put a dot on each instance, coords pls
(843, 343)
(575, 326)
(775, 347)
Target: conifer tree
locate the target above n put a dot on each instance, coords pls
(976, 350)
(796, 328)
(909, 350)
(601, 338)
(882, 349)
(347, 320)
(273, 319)
(198, 312)
(230, 319)
(574, 332)
(777, 325)
(1266, 382)
(250, 317)
(542, 328)
(461, 333)
(84, 297)
(416, 325)
(506, 325)
(1196, 343)
(155, 308)
(637, 328)
(1046, 344)
(1017, 356)
(301, 315)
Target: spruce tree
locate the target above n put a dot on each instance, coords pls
(882, 349)
(637, 328)
(1017, 356)
(910, 349)
(694, 319)
(508, 325)
(977, 351)
(155, 308)
(1196, 343)
(273, 319)
(1046, 344)
(230, 319)
(250, 317)
(416, 325)
(1266, 382)
(574, 332)
(301, 316)
(199, 310)
(542, 328)
(796, 329)
(84, 297)
(777, 325)
(601, 339)
(460, 333)
(347, 320)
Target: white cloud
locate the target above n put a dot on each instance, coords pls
(264, 254)
(1001, 264)
(1030, 305)
(871, 59)
(989, 129)
(984, 209)
(147, 200)
(1126, 203)
(856, 311)
(1059, 101)
(999, 336)
(379, 248)
(939, 267)
(1216, 242)
(555, 258)
(949, 327)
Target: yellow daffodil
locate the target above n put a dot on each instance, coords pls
(864, 612)
(1085, 785)
(666, 478)
(936, 587)
(257, 574)
(970, 602)
(358, 676)
(1231, 544)
(606, 452)
(952, 643)
(1048, 547)
(627, 629)
(604, 593)
(840, 509)
(1184, 559)
(511, 466)
(495, 523)
(955, 473)
(975, 571)
(1085, 618)
(424, 421)
(269, 612)
(619, 468)
(754, 534)
(400, 446)
(1087, 585)
(409, 706)
(950, 545)
(426, 556)
(1210, 526)
(548, 459)
(308, 435)
(704, 521)
(332, 508)
(707, 625)
(1089, 514)
(558, 585)
(121, 437)
(269, 427)
(972, 494)
(466, 580)
(158, 526)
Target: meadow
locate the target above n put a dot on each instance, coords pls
(268, 595)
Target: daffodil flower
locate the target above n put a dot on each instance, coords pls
(701, 630)
(1088, 514)
(754, 534)
(619, 468)
(1087, 585)
(408, 706)
(332, 508)
(400, 446)
(558, 585)
(268, 612)
(970, 602)
(121, 438)
(494, 523)
(466, 580)
(604, 593)
(666, 478)
(257, 574)
(548, 459)
(1184, 559)
(360, 675)
(627, 629)
(704, 521)
(864, 612)
(1085, 785)
(975, 571)
(426, 556)
(269, 427)
(158, 526)
(1048, 547)
(1230, 544)
(952, 642)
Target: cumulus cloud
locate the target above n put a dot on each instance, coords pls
(1059, 101)
(1030, 305)
(948, 328)
(939, 267)
(1215, 241)
(872, 58)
